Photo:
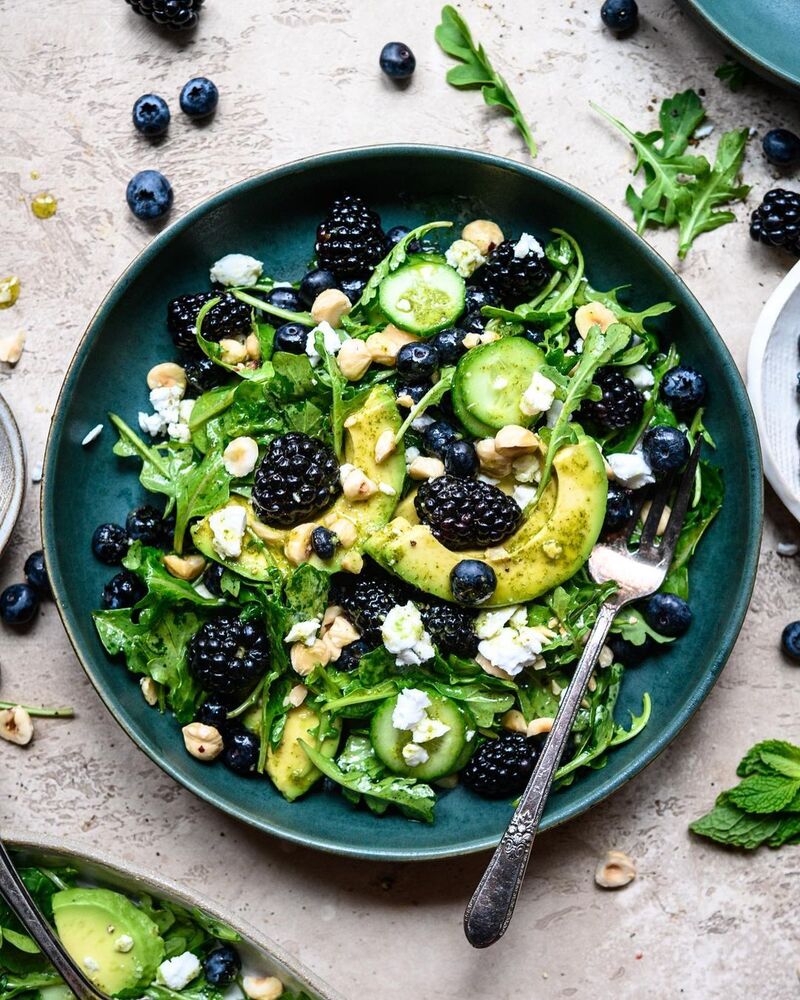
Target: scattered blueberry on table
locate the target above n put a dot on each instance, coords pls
(18, 604)
(151, 115)
(36, 573)
(781, 147)
(199, 97)
(149, 195)
(397, 60)
(790, 640)
(620, 16)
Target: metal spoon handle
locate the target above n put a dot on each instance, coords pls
(13, 890)
(490, 910)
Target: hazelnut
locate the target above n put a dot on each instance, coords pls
(353, 359)
(233, 351)
(606, 657)
(615, 870)
(149, 690)
(471, 340)
(203, 742)
(513, 440)
(489, 337)
(262, 987)
(357, 486)
(240, 456)
(304, 658)
(593, 314)
(426, 468)
(329, 307)
(297, 695)
(253, 347)
(16, 725)
(12, 346)
(345, 531)
(353, 562)
(538, 726)
(184, 567)
(332, 612)
(341, 633)
(484, 234)
(490, 459)
(514, 721)
(298, 544)
(165, 375)
(385, 446)
(384, 346)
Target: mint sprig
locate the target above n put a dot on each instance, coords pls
(476, 70)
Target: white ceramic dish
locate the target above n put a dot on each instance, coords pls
(772, 365)
(12, 473)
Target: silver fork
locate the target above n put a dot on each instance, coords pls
(637, 574)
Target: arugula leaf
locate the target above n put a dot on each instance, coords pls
(431, 398)
(147, 563)
(14, 984)
(205, 487)
(162, 465)
(476, 70)
(734, 75)
(306, 593)
(286, 315)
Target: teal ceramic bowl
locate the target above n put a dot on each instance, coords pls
(763, 33)
(274, 216)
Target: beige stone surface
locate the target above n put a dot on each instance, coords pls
(297, 78)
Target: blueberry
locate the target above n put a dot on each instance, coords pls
(620, 15)
(417, 362)
(145, 525)
(797, 387)
(291, 338)
(110, 543)
(203, 374)
(241, 752)
(395, 234)
(628, 653)
(449, 344)
(199, 97)
(285, 297)
(18, 604)
(533, 335)
(619, 509)
(353, 288)
(123, 591)
(222, 965)
(781, 147)
(351, 655)
(472, 581)
(397, 60)
(460, 459)
(323, 542)
(476, 297)
(36, 572)
(667, 614)
(684, 390)
(790, 640)
(437, 436)
(665, 448)
(212, 578)
(473, 322)
(213, 713)
(415, 393)
(316, 281)
(151, 115)
(149, 195)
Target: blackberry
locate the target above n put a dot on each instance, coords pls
(776, 221)
(296, 480)
(213, 713)
(451, 628)
(501, 768)
(513, 279)
(350, 240)
(228, 318)
(620, 405)
(368, 598)
(465, 513)
(178, 15)
(202, 374)
(227, 656)
(122, 591)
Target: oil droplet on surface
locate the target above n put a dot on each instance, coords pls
(44, 205)
(34, 175)
(9, 291)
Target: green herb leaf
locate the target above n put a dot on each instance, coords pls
(770, 756)
(764, 793)
(454, 38)
(200, 491)
(728, 824)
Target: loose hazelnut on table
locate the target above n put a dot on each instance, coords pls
(16, 726)
(615, 870)
(330, 306)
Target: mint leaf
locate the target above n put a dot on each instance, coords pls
(770, 756)
(454, 37)
(764, 793)
(728, 824)
(788, 832)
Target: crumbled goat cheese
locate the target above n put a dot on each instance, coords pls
(527, 244)
(93, 434)
(236, 269)
(512, 649)
(410, 708)
(124, 944)
(227, 529)
(464, 257)
(539, 396)
(414, 755)
(489, 623)
(411, 454)
(90, 964)
(178, 972)
(331, 341)
(527, 468)
(482, 477)
(640, 375)
(388, 490)
(523, 494)
(404, 634)
(420, 423)
(427, 730)
(631, 470)
(171, 414)
(304, 632)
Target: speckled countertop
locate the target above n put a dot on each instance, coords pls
(297, 78)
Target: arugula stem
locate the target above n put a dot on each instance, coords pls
(248, 702)
(304, 318)
(65, 712)
(431, 397)
(148, 454)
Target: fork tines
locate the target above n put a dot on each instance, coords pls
(677, 514)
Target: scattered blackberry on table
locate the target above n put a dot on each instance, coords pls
(405, 392)
(449, 345)
(417, 362)
(437, 436)
(790, 640)
(368, 598)
(323, 542)
(291, 338)
(35, 571)
(122, 591)
(501, 768)
(285, 297)
(350, 240)
(460, 459)
(313, 282)
(199, 97)
(397, 60)
(667, 614)
(228, 318)
(466, 513)
(510, 278)
(684, 390)
(179, 15)
(666, 449)
(351, 654)
(781, 147)
(620, 16)
(151, 115)
(222, 965)
(241, 752)
(212, 578)
(146, 525)
(110, 543)
(18, 604)
(228, 656)
(202, 374)
(296, 480)
(621, 404)
(451, 628)
(213, 713)
(619, 509)
(472, 582)
(776, 221)
(149, 195)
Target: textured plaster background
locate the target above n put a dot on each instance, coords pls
(298, 78)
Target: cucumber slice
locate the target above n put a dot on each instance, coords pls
(423, 297)
(489, 383)
(444, 753)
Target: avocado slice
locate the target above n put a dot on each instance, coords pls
(114, 942)
(549, 547)
(288, 764)
(263, 546)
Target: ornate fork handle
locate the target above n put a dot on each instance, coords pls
(490, 910)
(13, 890)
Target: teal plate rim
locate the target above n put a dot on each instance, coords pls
(746, 567)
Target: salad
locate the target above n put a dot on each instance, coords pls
(128, 945)
(382, 483)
